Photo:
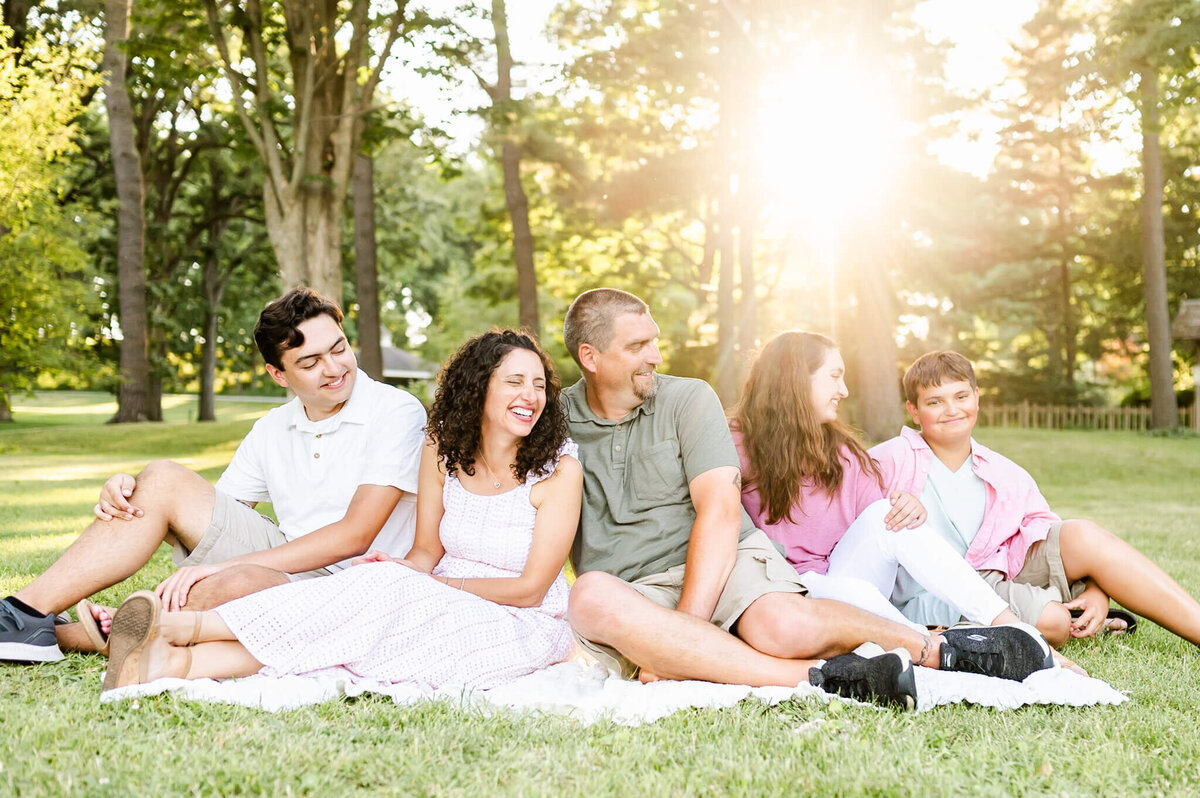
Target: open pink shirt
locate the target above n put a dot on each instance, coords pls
(820, 521)
(1016, 515)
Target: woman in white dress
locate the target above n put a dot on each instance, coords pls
(478, 601)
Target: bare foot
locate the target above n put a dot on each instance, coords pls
(181, 628)
(103, 617)
(1116, 626)
(161, 660)
(1063, 662)
(646, 677)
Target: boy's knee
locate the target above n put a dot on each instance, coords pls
(163, 477)
(1055, 623)
(1083, 533)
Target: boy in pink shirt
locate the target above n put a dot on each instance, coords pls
(1048, 569)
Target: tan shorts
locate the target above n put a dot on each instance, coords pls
(758, 570)
(234, 530)
(1041, 581)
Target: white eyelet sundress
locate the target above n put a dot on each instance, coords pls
(386, 622)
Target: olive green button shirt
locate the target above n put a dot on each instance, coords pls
(637, 510)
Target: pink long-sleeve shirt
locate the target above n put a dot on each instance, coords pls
(819, 522)
(1016, 514)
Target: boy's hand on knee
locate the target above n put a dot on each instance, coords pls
(114, 499)
(1092, 606)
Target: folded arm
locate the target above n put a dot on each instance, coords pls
(558, 499)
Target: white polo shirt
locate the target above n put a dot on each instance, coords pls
(309, 470)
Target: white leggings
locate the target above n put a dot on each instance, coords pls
(863, 565)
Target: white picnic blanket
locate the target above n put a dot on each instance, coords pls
(588, 693)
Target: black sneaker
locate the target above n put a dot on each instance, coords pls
(1010, 651)
(885, 679)
(25, 637)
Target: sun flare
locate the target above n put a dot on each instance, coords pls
(828, 144)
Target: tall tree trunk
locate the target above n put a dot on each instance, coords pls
(748, 323)
(876, 355)
(16, 19)
(1164, 410)
(366, 274)
(133, 396)
(725, 376)
(1063, 234)
(6, 415)
(510, 160)
(158, 361)
(309, 150)
(208, 368)
(305, 230)
(213, 288)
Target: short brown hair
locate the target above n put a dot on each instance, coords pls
(590, 318)
(278, 327)
(935, 368)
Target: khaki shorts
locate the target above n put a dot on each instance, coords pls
(758, 570)
(234, 530)
(1041, 581)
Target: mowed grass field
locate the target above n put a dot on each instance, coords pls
(57, 739)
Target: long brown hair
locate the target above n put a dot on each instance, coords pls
(784, 440)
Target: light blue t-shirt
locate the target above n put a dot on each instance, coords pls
(955, 501)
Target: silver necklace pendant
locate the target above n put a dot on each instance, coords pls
(496, 483)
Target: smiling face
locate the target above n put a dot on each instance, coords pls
(827, 387)
(321, 370)
(946, 413)
(516, 394)
(623, 373)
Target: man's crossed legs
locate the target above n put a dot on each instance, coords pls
(780, 638)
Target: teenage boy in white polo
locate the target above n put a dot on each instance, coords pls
(338, 462)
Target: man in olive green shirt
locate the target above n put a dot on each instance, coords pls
(674, 580)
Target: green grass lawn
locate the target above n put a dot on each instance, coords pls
(58, 739)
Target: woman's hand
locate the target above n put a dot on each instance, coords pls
(374, 555)
(381, 556)
(907, 511)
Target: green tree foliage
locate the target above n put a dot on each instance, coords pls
(45, 290)
(303, 74)
(1151, 50)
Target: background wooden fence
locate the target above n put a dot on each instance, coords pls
(1030, 416)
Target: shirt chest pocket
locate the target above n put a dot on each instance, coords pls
(657, 473)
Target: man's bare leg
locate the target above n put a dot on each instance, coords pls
(792, 626)
(172, 498)
(669, 644)
(1129, 577)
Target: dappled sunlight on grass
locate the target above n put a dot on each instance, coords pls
(90, 408)
(95, 468)
(24, 545)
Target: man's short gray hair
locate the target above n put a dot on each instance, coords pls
(590, 318)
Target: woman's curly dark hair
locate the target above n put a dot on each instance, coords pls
(457, 412)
